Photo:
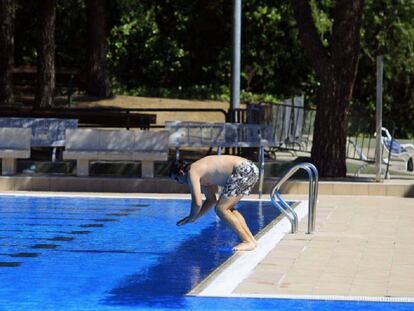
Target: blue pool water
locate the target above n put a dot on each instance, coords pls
(71, 253)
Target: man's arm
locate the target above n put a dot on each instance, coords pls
(196, 198)
(211, 200)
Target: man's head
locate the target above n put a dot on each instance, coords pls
(178, 171)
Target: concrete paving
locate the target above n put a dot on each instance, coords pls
(362, 247)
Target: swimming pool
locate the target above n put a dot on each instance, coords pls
(90, 253)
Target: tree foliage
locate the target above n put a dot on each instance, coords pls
(7, 16)
(388, 30)
(182, 48)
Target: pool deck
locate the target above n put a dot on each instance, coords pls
(362, 249)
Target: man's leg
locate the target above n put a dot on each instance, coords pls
(243, 223)
(225, 210)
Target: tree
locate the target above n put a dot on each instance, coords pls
(334, 61)
(388, 30)
(7, 15)
(46, 54)
(98, 82)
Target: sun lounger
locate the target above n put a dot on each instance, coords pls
(397, 150)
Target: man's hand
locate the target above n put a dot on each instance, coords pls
(185, 220)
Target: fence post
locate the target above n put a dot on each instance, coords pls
(378, 149)
(235, 72)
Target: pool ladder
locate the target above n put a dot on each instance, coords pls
(285, 208)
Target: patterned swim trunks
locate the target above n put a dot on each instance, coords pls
(242, 180)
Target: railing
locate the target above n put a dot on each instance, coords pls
(292, 122)
(285, 208)
(221, 135)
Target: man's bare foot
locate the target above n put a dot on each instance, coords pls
(245, 246)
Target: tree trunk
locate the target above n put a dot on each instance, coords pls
(329, 142)
(7, 15)
(98, 81)
(335, 67)
(46, 54)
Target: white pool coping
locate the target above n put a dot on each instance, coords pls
(229, 278)
(322, 297)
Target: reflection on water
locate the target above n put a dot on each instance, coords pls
(178, 272)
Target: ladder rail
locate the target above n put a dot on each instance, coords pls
(285, 208)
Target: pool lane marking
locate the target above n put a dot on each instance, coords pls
(9, 264)
(229, 278)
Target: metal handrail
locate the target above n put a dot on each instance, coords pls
(285, 208)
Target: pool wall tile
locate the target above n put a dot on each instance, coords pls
(325, 188)
(291, 187)
(123, 185)
(23, 183)
(376, 189)
(76, 184)
(33, 184)
(395, 190)
(7, 183)
(359, 189)
(341, 189)
(164, 185)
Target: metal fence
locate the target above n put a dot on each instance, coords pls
(293, 126)
(292, 122)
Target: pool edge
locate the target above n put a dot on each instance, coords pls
(218, 283)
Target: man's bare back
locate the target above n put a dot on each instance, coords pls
(215, 170)
(235, 174)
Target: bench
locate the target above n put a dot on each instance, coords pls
(14, 144)
(84, 145)
(45, 132)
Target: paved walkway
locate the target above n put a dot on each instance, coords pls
(363, 246)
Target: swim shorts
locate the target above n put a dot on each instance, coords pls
(242, 179)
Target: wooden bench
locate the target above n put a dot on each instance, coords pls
(14, 144)
(84, 145)
(87, 117)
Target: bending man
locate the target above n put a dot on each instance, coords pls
(235, 174)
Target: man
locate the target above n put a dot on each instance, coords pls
(235, 174)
